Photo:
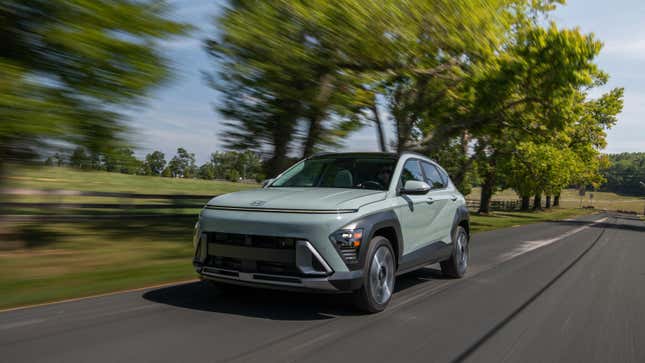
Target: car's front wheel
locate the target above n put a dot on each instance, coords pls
(457, 264)
(379, 276)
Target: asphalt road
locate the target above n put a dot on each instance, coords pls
(570, 291)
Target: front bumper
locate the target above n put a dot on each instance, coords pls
(336, 282)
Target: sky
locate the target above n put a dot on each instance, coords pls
(182, 112)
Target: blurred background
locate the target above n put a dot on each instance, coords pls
(120, 119)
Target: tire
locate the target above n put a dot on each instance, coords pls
(378, 278)
(457, 265)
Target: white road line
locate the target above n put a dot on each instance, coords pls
(527, 246)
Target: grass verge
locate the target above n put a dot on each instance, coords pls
(496, 220)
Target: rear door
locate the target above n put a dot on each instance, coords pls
(443, 199)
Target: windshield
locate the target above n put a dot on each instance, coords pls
(340, 172)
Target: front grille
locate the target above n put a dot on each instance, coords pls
(270, 255)
(249, 240)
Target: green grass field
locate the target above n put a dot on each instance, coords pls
(72, 179)
(51, 261)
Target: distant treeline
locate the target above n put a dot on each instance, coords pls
(229, 165)
(626, 173)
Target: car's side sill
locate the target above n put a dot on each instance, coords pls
(432, 253)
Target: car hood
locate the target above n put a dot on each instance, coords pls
(299, 198)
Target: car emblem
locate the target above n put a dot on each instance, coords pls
(258, 203)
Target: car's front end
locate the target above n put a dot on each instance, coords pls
(281, 247)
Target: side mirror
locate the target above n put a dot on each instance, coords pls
(415, 187)
(267, 182)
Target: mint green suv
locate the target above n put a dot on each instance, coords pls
(338, 222)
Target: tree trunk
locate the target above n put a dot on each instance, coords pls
(379, 126)
(313, 135)
(537, 202)
(487, 193)
(459, 177)
(317, 115)
(403, 132)
(281, 138)
(526, 203)
(556, 200)
(278, 161)
(548, 201)
(490, 180)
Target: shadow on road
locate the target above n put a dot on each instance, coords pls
(271, 304)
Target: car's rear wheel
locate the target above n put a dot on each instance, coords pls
(457, 264)
(379, 276)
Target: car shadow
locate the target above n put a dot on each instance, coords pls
(271, 304)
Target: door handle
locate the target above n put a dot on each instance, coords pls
(453, 198)
(430, 200)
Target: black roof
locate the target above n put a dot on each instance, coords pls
(356, 155)
(367, 154)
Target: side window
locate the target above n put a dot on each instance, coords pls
(444, 177)
(432, 176)
(411, 171)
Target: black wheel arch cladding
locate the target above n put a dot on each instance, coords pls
(462, 218)
(373, 223)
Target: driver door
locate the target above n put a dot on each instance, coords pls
(415, 212)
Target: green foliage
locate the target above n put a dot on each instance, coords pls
(455, 159)
(182, 165)
(316, 66)
(66, 65)
(122, 160)
(232, 165)
(626, 173)
(155, 163)
(233, 175)
(536, 169)
(79, 159)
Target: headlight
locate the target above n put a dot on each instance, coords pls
(349, 242)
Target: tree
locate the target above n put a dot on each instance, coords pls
(455, 158)
(247, 164)
(317, 66)
(540, 169)
(182, 165)
(533, 92)
(122, 160)
(155, 162)
(79, 159)
(625, 173)
(67, 66)
(206, 171)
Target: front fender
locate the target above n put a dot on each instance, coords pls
(371, 224)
